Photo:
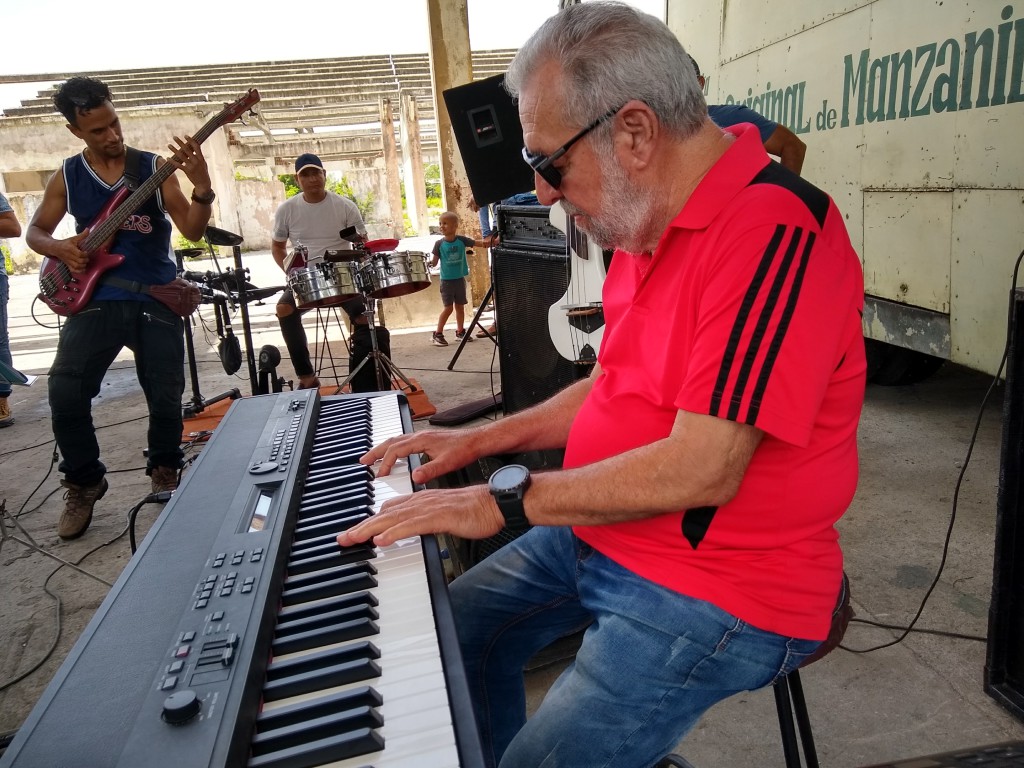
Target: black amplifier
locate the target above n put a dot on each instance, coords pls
(527, 227)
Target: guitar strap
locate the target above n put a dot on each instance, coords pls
(132, 166)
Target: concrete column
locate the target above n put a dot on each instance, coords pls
(387, 135)
(412, 165)
(451, 65)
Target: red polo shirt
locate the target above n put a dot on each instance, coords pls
(748, 310)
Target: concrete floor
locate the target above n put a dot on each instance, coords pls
(919, 696)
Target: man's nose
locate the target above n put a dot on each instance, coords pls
(546, 194)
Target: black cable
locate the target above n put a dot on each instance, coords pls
(49, 469)
(102, 426)
(32, 313)
(959, 480)
(57, 606)
(939, 632)
(154, 498)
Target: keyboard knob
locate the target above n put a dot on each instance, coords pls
(180, 707)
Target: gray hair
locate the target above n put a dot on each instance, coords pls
(612, 53)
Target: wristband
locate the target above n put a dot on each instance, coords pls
(205, 199)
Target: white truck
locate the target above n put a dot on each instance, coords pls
(913, 116)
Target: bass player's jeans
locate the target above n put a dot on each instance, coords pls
(651, 663)
(89, 342)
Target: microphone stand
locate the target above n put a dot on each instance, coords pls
(199, 403)
(240, 280)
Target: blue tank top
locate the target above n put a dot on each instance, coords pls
(145, 237)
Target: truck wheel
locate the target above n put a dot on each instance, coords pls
(892, 366)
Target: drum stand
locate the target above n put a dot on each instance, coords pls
(385, 369)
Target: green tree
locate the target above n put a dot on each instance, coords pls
(338, 186)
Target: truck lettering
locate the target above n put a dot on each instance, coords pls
(916, 108)
(984, 69)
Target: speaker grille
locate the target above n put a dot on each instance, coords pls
(526, 284)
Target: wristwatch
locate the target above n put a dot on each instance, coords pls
(508, 486)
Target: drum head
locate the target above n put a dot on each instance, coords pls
(384, 244)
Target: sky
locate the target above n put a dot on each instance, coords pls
(69, 35)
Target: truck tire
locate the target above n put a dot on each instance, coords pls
(892, 366)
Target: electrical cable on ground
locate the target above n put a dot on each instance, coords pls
(956, 496)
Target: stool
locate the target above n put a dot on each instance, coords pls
(789, 696)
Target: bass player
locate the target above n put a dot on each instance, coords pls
(116, 317)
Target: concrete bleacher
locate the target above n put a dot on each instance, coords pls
(296, 95)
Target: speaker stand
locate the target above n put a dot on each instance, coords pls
(473, 324)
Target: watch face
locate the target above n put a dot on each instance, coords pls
(509, 477)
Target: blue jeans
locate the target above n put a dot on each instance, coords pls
(651, 663)
(5, 341)
(89, 343)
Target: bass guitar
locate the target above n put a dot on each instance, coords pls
(67, 292)
(576, 321)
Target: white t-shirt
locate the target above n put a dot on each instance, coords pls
(316, 225)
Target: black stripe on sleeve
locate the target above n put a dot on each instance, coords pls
(780, 332)
(729, 357)
(770, 306)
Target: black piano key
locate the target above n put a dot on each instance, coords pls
(322, 508)
(326, 616)
(340, 747)
(300, 580)
(356, 495)
(337, 487)
(317, 728)
(301, 683)
(334, 633)
(329, 588)
(338, 442)
(350, 473)
(350, 455)
(325, 545)
(302, 711)
(316, 545)
(290, 612)
(336, 525)
(362, 650)
(339, 556)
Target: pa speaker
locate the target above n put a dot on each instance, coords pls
(1004, 663)
(486, 125)
(525, 284)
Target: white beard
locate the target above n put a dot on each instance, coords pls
(625, 215)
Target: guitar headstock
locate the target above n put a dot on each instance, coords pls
(238, 108)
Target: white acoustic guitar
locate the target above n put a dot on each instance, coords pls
(576, 321)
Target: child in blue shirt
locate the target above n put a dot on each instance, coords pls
(450, 251)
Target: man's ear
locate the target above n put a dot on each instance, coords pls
(640, 128)
(77, 133)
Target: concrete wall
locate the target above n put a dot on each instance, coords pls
(33, 148)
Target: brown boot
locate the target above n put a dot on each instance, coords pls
(5, 413)
(164, 479)
(80, 499)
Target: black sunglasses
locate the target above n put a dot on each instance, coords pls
(542, 164)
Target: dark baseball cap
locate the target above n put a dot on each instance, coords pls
(307, 160)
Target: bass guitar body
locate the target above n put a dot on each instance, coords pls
(66, 292)
(576, 321)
